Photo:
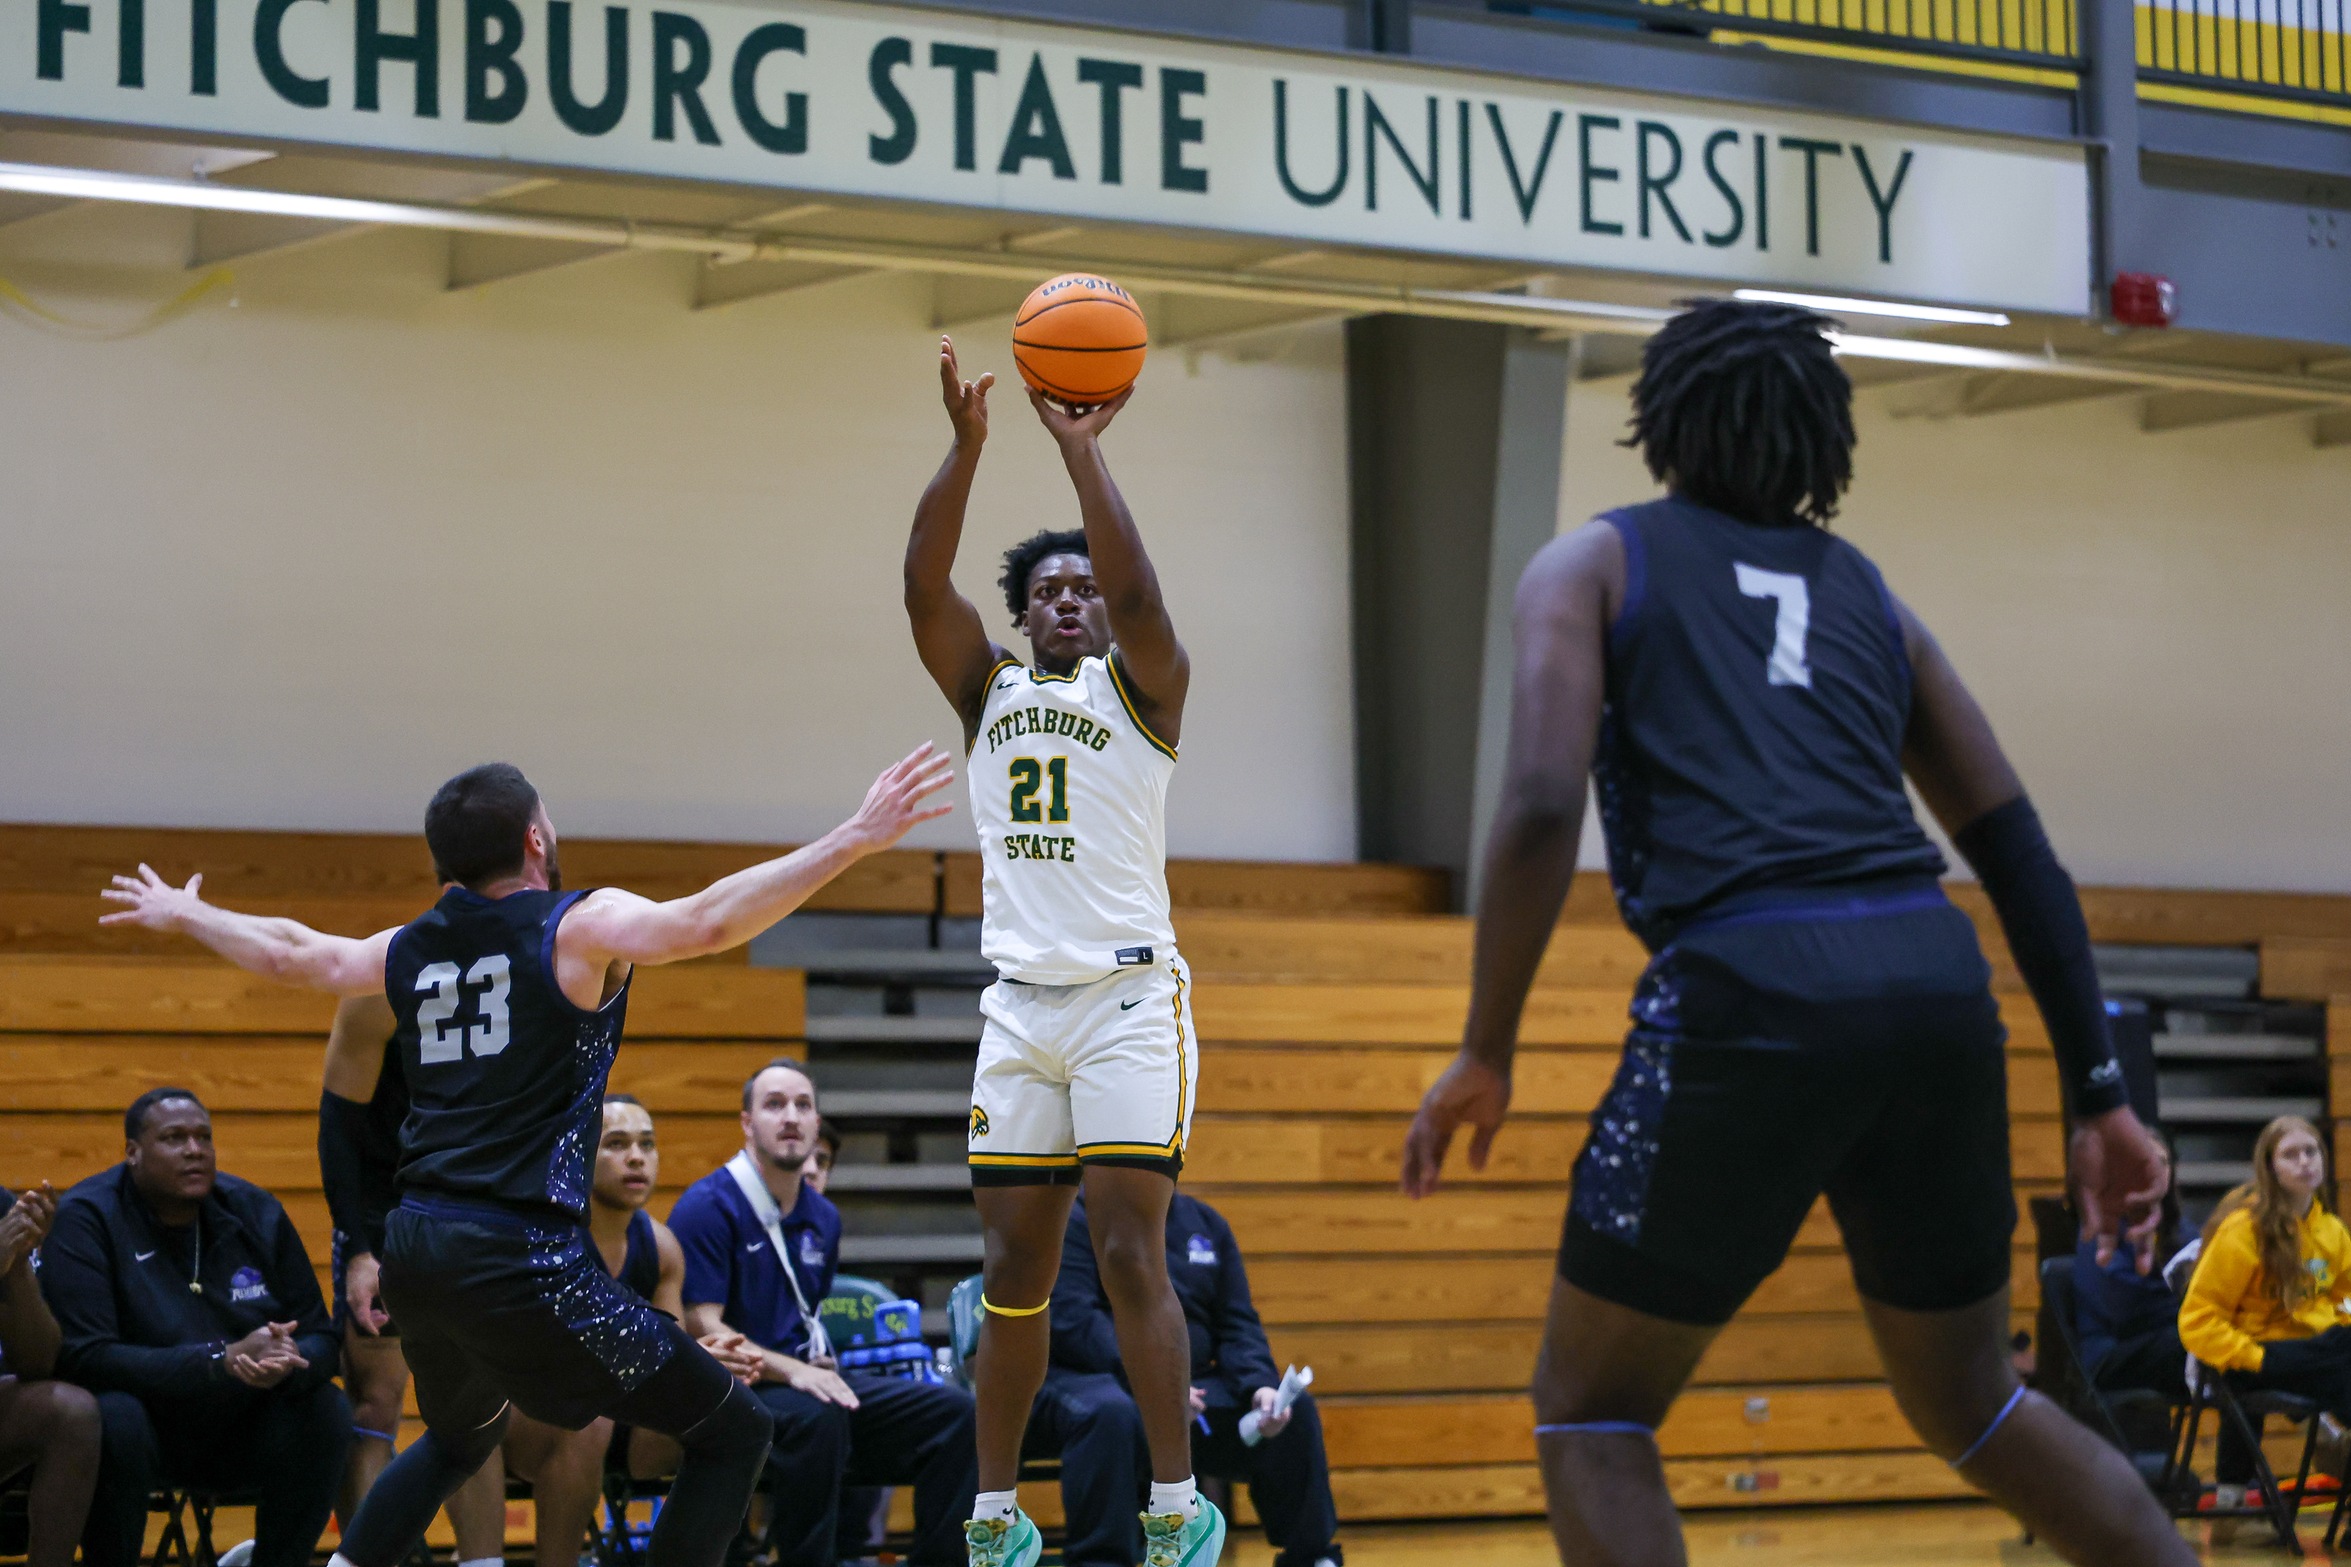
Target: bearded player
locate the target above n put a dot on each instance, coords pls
(1748, 696)
(507, 1002)
(1086, 1064)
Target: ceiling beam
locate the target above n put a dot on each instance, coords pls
(478, 260)
(1206, 282)
(731, 283)
(2169, 411)
(2332, 428)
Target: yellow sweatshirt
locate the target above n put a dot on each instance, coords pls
(2232, 1307)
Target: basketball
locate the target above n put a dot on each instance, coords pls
(1079, 339)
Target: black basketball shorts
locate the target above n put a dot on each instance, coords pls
(495, 1309)
(1777, 1056)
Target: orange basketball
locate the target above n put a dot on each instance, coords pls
(1079, 339)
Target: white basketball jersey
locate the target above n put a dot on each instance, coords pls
(1069, 790)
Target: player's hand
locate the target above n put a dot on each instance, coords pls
(2120, 1173)
(1469, 1091)
(1198, 1398)
(1076, 427)
(818, 1382)
(153, 902)
(738, 1354)
(895, 803)
(26, 1225)
(967, 401)
(363, 1293)
(1269, 1423)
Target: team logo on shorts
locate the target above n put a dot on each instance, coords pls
(979, 1122)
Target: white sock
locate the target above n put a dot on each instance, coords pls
(340, 1560)
(993, 1504)
(1181, 1497)
(483, 1561)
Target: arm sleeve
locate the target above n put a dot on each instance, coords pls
(1084, 1338)
(77, 1281)
(703, 1235)
(2208, 1317)
(2042, 917)
(295, 1283)
(357, 1174)
(1242, 1354)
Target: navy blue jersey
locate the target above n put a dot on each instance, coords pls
(640, 1265)
(1758, 693)
(505, 1076)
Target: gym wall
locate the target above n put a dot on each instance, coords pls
(292, 562)
(2156, 624)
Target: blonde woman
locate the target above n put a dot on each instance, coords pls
(2267, 1304)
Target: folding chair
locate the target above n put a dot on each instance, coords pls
(2243, 1413)
(180, 1507)
(2112, 1414)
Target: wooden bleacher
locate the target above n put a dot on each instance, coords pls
(1327, 999)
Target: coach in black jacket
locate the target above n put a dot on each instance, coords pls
(1086, 1414)
(188, 1305)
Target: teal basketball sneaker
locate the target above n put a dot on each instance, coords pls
(993, 1542)
(1172, 1540)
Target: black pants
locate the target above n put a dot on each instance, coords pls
(1091, 1420)
(900, 1433)
(2153, 1362)
(285, 1445)
(2318, 1369)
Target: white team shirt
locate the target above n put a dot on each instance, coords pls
(1069, 790)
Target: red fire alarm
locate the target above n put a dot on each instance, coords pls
(2143, 299)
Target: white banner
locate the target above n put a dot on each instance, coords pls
(930, 106)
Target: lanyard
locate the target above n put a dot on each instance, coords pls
(771, 1218)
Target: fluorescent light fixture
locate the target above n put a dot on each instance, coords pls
(1832, 305)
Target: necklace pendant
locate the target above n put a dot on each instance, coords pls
(195, 1288)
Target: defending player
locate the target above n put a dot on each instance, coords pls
(1747, 696)
(509, 998)
(1086, 1064)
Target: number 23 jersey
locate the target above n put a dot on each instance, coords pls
(505, 1075)
(1069, 791)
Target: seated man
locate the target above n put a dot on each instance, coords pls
(1085, 1413)
(187, 1304)
(48, 1427)
(761, 1250)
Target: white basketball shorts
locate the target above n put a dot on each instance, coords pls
(1070, 1075)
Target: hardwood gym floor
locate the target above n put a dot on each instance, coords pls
(1936, 1535)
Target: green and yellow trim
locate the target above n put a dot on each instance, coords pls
(1025, 1160)
(971, 742)
(1126, 699)
(1023, 1169)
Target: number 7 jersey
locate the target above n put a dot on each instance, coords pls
(505, 1075)
(1069, 791)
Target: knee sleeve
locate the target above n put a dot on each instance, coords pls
(402, 1502)
(740, 1424)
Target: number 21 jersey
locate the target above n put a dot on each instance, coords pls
(1069, 791)
(505, 1075)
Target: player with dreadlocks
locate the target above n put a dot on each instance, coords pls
(1816, 1017)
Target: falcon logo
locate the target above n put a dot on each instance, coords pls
(979, 1122)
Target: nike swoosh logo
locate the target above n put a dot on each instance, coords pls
(141, 1256)
(754, 1246)
(1129, 1006)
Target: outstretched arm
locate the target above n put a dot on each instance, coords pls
(1951, 755)
(611, 926)
(287, 951)
(1563, 609)
(1158, 670)
(955, 647)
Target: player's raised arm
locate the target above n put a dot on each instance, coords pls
(611, 926)
(1562, 613)
(1152, 660)
(287, 951)
(948, 633)
(1953, 757)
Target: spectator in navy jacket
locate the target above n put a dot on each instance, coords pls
(2128, 1323)
(1087, 1415)
(831, 1426)
(46, 1426)
(188, 1305)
